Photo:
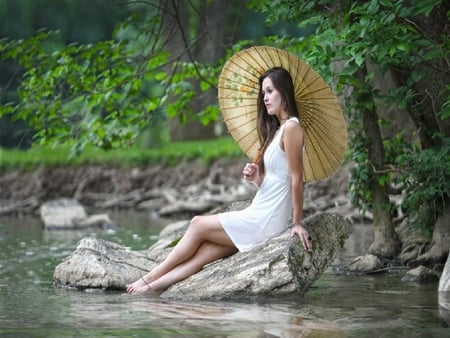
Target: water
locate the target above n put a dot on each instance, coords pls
(336, 306)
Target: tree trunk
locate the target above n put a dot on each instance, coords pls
(386, 243)
(206, 45)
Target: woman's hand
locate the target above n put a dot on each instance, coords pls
(251, 173)
(302, 233)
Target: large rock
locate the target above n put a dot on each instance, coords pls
(280, 266)
(69, 214)
(365, 264)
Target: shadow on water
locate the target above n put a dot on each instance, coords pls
(336, 305)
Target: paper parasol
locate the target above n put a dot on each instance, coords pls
(321, 116)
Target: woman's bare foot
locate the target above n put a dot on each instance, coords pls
(144, 289)
(135, 287)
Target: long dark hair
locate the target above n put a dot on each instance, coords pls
(267, 125)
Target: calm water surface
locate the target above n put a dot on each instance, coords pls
(336, 306)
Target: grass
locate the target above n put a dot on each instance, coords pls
(168, 154)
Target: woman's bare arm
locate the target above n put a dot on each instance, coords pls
(293, 142)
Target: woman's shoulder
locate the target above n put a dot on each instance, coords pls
(293, 118)
(292, 123)
(292, 127)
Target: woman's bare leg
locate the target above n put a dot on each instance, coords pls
(201, 229)
(207, 252)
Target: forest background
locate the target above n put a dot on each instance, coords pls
(143, 74)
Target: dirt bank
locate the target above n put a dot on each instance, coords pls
(22, 192)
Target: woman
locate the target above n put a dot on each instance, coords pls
(279, 178)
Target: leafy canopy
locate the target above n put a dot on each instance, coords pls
(351, 36)
(102, 94)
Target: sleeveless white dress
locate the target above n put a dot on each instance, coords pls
(271, 209)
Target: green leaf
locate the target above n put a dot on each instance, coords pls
(444, 113)
(204, 86)
(403, 46)
(424, 6)
(373, 7)
(359, 59)
(384, 180)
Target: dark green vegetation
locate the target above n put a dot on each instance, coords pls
(170, 153)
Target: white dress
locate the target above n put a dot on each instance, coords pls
(269, 213)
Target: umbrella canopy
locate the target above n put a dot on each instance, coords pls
(321, 116)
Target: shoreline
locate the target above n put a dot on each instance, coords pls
(171, 189)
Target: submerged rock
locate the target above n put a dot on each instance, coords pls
(280, 266)
(365, 264)
(420, 275)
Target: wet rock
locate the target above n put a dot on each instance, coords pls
(101, 264)
(365, 264)
(69, 214)
(278, 267)
(420, 274)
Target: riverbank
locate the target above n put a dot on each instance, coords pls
(114, 179)
(108, 187)
(188, 188)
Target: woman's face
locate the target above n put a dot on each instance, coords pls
(272, 98)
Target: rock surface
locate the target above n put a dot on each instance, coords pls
(69, 214)
(420, 275)
(278, 267)
(365, 264)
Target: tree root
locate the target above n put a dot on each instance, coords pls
(436, 255)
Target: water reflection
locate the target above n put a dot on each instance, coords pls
(336, 306)
(444, 306)
(124, 312)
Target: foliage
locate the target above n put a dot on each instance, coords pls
(170, 153)
(426, 177)
(105, 93)
(92, 93)
(81, 21)
(361, 173)
(179, 84)
(356, 35)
